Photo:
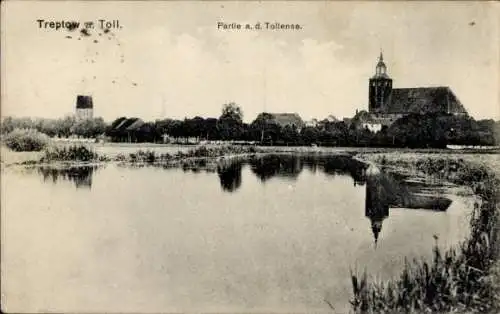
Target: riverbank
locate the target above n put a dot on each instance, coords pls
(121, 151)
(461, 279)
(195, 156)
(411, 292)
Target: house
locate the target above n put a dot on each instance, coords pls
(312, 123)
(126, 129)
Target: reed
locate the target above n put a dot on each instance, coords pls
(460, 279)
(201, 152)
(78, 153)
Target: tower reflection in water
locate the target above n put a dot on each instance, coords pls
(376, 203)
(384, 191)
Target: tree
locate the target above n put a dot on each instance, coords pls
(89, 128)
(63, 126)
(7, 125)
(230, 123)
(290, 135)
(232, 111)
(263, 128)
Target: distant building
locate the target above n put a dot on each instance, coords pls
(84, 107)
(126, 129)
(387, 104)
(332, 118)
(312, 123)
(287, 119)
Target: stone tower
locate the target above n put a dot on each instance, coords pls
(380, 87)
(84, 107)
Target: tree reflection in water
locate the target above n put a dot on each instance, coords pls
(383, 190)
(81, 176)
(286, 166)
(230, 175)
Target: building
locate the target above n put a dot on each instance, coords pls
(84, 107)
(287, 119)
(387, 104)
(311, 123)
(126, 129)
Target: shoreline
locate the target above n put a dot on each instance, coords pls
(461, 279)
(9, 158)
(429, 165)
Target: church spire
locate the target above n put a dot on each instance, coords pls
(381, 69)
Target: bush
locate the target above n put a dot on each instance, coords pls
(26, 140)
(72, 153)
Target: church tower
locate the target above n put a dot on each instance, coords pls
(380, 87)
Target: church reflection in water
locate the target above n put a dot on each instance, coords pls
(384, 191)
(376, 204)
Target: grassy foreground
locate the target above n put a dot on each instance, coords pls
(464, 279)
(86, 154)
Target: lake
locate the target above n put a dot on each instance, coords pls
(278, 233)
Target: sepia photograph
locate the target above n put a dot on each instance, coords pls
(250, 157)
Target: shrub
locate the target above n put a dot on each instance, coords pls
(26, 140)
(72, 153)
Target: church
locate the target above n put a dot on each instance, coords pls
(387, 104)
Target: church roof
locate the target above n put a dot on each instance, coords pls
(423, 100)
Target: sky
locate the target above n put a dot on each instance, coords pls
(169, 59)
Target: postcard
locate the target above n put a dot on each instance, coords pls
(250, 157)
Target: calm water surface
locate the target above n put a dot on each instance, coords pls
(273, 234)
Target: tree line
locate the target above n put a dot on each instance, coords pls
(62, 127)
(413, 130)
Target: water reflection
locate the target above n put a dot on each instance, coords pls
(376, 203)
(290, 166)
(81, 176)
(230, 175)
(285, 166)
(383, 190)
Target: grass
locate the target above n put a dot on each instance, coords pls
(85, 153)
(201, 152)
(460, 279)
